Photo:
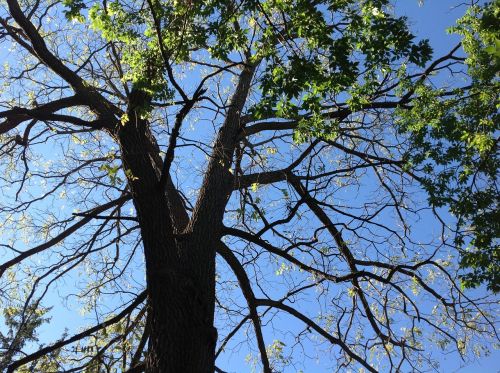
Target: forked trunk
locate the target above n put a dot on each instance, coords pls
(180, 268)
(181, 284)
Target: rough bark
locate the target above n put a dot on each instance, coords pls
(179, 252)
(182, 337)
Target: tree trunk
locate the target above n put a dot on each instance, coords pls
(181, 289)
(182, 334)
(180, 252)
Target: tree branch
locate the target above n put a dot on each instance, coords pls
(96, 101)
(61, 236)
(140, 298)
(17, 115)
(246, 288)
(315, 327)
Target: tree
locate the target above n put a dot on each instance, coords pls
(291, 165)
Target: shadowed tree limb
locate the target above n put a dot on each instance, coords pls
(96, 101)
(316, 328)
(246, 288)
(61, 236)
(44, 351)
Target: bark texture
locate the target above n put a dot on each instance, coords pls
(181, 336)
(180, 252)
